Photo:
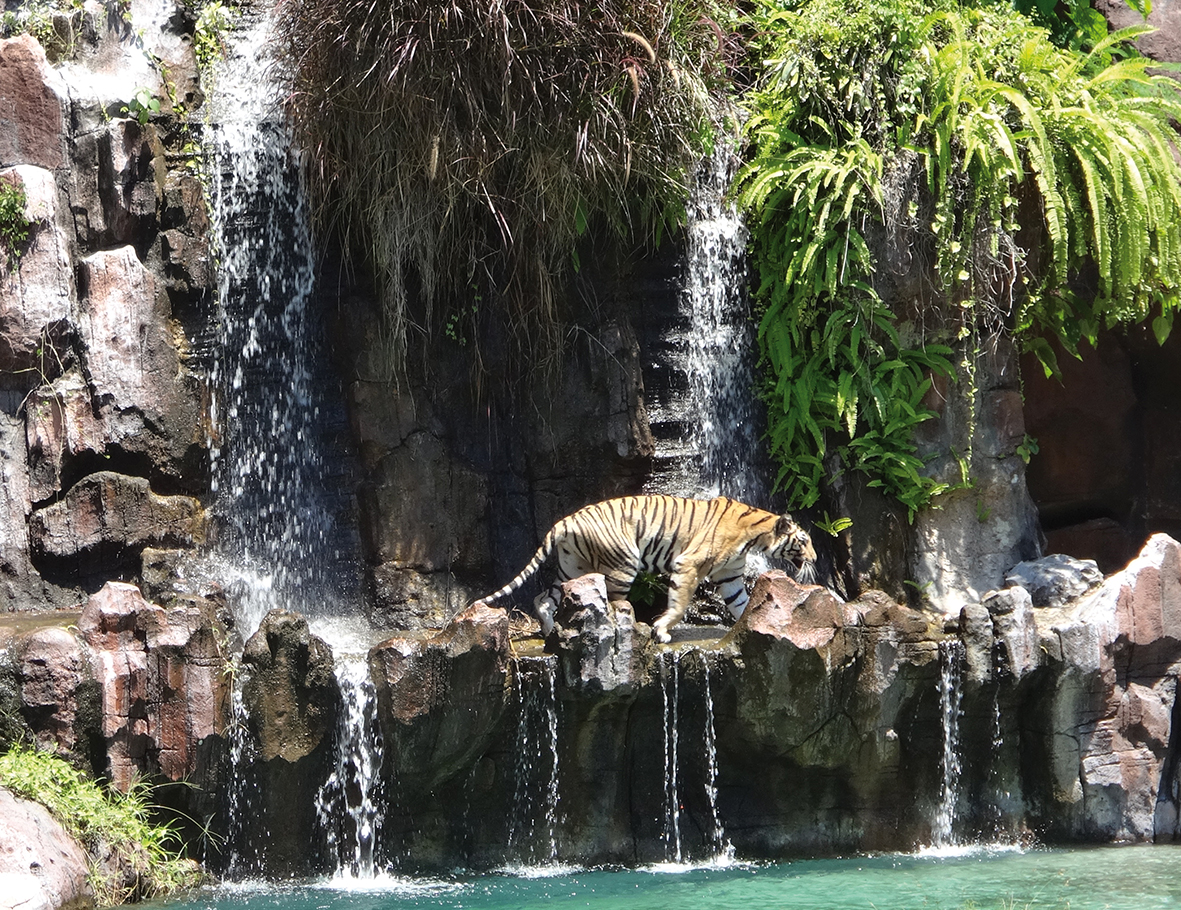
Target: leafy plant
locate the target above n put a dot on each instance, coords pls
(104, 822)
(14, 227)
(833, 526)
(461, 143)
(143, 105)
(930, 172)
(214, 20)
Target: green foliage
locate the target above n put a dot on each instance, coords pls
(468, 144)
(104, 822)
(648, 591)
(833, 526)
(143, 105)
(14, 227)
(214, 20)
(1005, 184)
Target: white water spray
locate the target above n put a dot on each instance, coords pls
(533, 828)
(951, 653)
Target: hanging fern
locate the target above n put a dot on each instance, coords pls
(1041, 183)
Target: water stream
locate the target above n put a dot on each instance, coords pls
(533, 827)
(670, 687)
(951, 660)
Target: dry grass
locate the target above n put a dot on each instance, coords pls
(467, 145)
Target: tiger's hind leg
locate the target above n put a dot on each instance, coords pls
(732, 589)
(545, 604)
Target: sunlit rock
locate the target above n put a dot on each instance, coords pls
(41, 866)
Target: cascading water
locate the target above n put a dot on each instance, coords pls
(951, 654)
(708, 433)
(720, 844)
(347, 804)
(670, 685)
(533, 828)
(284, 532)
(281, 538)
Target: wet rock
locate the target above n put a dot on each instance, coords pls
(130, 181)
(37, 291)
(33, 105)
(600, 648)
(441, 698)
(291, 692)
(1054, 580)
(41, 866)
(292, 702)
(163, 684)
(106, 519)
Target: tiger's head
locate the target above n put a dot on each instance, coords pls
(793, 544)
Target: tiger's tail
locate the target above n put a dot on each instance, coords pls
(542, 554)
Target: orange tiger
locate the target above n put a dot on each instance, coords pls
(687, 540)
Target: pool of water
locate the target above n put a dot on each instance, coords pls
(1112, 878)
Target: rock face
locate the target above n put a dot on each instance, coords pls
(101, 410)
(291, 699)
(41, 866)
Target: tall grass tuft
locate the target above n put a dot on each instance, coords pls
(131, 857)
(468, 145)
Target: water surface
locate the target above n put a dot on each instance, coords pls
(1111, 878)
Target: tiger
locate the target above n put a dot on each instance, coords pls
(687, 540)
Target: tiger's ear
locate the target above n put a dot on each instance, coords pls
(784, 525)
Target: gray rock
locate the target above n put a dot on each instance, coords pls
(1055, 580)
(600, 648)
(41, 866)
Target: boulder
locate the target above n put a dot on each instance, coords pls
(59, 699)
(1055, 580)
(440, 699)
(600, 649)
(41, 866)
(105, 519)
(292, 702)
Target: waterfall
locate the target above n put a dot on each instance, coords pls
(533, 827)
(347, 804)
(670, 680)
(707, 423)
(281, 540)
(951, 654)
(722, 849)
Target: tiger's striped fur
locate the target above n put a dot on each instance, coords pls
(689, 540)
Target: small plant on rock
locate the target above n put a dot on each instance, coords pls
(14, 227)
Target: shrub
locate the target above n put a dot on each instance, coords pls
(926, 174)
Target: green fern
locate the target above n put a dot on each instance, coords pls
(1036, 166)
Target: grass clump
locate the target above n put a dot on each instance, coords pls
(467, 146)
(131, 858)
(932, 173)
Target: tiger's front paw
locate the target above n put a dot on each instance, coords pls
(662, 634)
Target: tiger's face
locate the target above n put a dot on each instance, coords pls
(793, 543)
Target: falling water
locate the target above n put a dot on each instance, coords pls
(239, 789)
(670, 684)
(951, 653)
(281, 541)
(533, 828)
(713, 449)
(347, 804)
(719, 842)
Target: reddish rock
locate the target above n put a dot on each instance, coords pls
(33, 106)
(162, 676)
(41, 866)
(60, 424)
(52, 672)
(806, 615)
(111, 517)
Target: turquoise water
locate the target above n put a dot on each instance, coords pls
(1114, 878)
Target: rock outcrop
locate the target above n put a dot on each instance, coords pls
(41, 866)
